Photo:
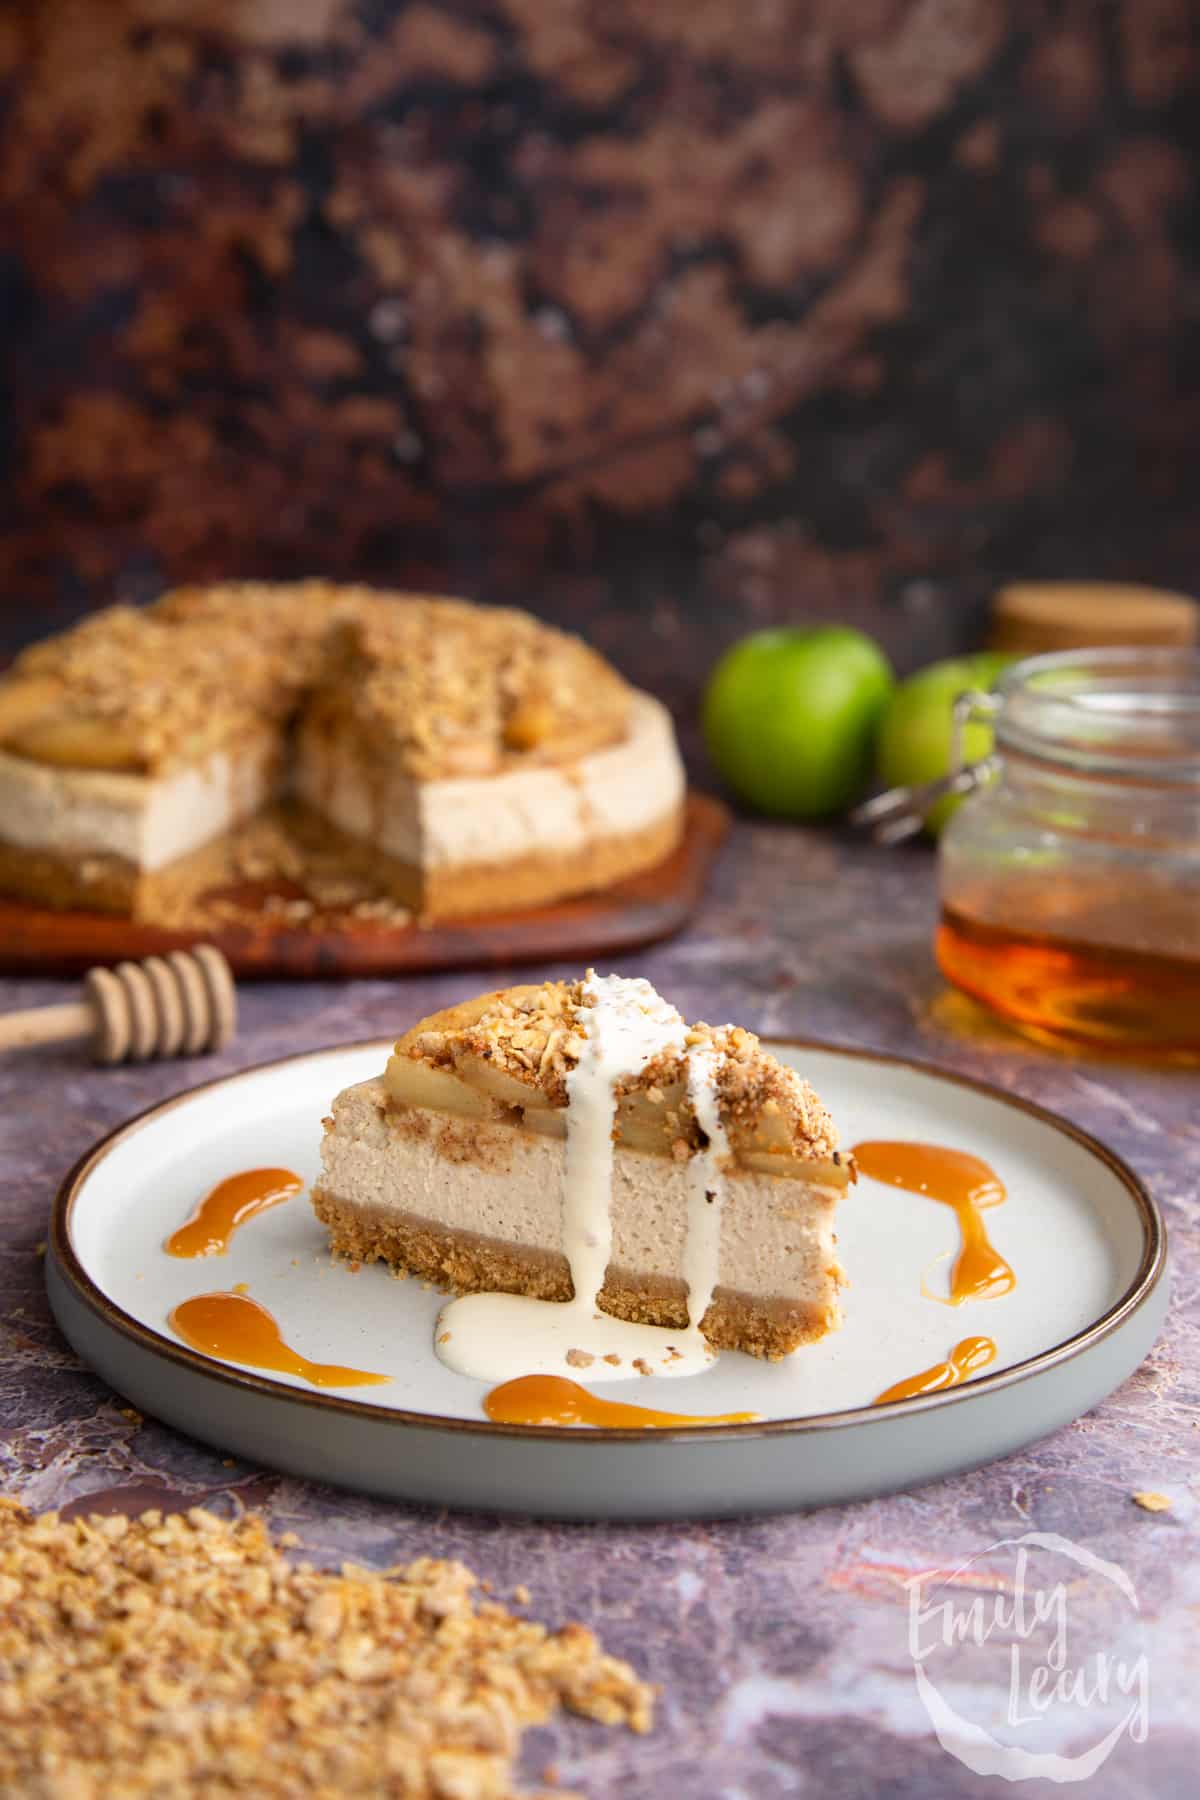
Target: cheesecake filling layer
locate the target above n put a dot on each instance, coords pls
(146, 820)
(504, 1184)
(478, 821)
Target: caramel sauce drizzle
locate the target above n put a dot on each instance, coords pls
(230, 1205)
(965, 1184)
(237, 1329)
(966, 1359)
(553, 1400)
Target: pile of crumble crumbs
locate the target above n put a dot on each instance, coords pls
(186, 1655)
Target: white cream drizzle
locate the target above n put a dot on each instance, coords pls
(496, 1337)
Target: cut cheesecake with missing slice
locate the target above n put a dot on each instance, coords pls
(455, 759)
(578, 1143)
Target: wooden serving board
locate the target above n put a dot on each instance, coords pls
(261, 940)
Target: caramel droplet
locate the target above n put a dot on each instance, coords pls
(230, 1205)
(965, 1184)
(966, 1359)
(237, 1329)
(553, 1400)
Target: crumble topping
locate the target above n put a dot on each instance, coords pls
(445, 688)
(441, 687)
(533, 1034)
(186, 1654)
(295, 617)
(289, 608)
(124, 691)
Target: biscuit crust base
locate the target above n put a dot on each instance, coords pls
(526, 881)
(98, 882)
(90, 882)
(467, 1263)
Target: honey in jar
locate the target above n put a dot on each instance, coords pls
(1070, 884)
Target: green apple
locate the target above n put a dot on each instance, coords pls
(790, 717)
(915, 731)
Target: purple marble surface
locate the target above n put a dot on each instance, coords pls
(781, 1645)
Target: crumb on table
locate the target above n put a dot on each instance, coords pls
(241, 1670)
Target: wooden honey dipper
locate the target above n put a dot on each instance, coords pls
(181, 1004)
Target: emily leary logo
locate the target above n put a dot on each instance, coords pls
(1024, 1662)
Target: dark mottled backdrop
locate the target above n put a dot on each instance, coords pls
(715, 309)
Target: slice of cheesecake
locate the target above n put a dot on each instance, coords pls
(477, 759)
(578, 1141)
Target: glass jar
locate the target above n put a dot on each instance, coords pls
(1070, 881)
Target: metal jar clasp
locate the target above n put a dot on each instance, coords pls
(900, 812)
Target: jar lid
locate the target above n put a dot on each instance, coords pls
(1033, 616)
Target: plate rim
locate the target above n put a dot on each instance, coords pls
(1146, 1278)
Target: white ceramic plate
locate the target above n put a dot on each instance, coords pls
(1083, 1236)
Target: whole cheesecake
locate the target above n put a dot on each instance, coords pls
(467, 758)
